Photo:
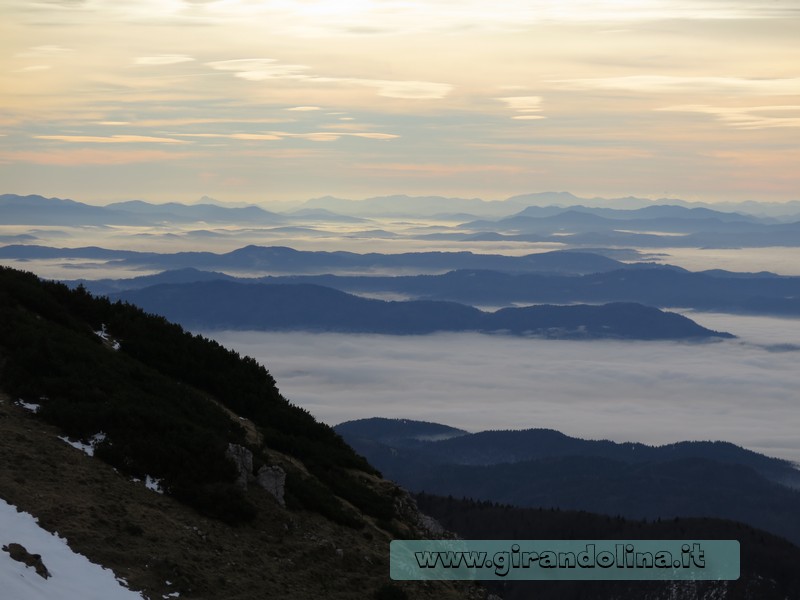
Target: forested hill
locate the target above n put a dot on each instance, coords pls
(768, 563)
(233, 305)
(161, 405)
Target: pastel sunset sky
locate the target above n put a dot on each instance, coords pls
(267, 101)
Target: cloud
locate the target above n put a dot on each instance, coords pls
(43, 51)
(374, 135)
(653, 392)
(319, 136)
(315, 18)
(411, 90)
(113, 139)
(435, 170)
(85, 156)
(182, 121)
(525, 105)
(163, 59)
(329, 136)
(673, 84)
(233, 136)
(34, 68)
(303, 108)
(748, 117)
(261, 69)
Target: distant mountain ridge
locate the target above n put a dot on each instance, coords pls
(404, 205)
(281, 259)
(662, 286)
(38, 210)
(656, 226)
(656, 211)
(225, 304)
(545, 468)
(456, 446)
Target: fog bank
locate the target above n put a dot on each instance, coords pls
(743, 391)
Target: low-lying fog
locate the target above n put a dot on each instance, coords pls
(744, 390)
(400, 236)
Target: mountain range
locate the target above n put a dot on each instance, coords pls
(403, 205)
(656, 226)
(560, 278)
(654, 285)
(279, 259)
(231, 305)
(545, 468)
(38, 210)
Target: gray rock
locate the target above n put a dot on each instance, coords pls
(431, 525)
(243, 459)
(273, 479)
(19, 553)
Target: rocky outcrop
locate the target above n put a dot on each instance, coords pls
(19, 553)
(431, 526)
(243, 459)
(273, 479)
(426, 527)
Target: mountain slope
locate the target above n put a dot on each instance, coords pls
(257, 495)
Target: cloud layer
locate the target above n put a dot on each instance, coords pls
(743, 391)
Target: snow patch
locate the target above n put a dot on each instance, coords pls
(153, 484)
(73, 576)
(87, 448)
(34, 408)
(106, 337)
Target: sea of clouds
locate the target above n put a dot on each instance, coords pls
(742, 390)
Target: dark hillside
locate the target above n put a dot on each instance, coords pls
(163, 406)
(768, 563)
(166, 420)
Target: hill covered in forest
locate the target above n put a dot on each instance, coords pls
(223, 304)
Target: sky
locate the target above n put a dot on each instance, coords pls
(263, 102)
